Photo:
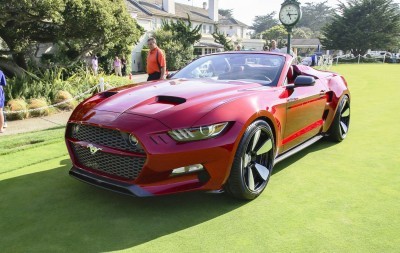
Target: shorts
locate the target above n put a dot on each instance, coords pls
(154, 76)
(2, 97)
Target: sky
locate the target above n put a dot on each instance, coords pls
(246, 10)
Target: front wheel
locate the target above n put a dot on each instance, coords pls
(253, 162)
(340, 125)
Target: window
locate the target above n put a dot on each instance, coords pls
(204, 28)
(231, 27)
(198, 51)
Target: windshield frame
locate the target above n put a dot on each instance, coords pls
(246, 67)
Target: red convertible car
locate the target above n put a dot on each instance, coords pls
(220, 123)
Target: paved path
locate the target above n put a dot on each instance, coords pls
(55, 120)
(36, 124)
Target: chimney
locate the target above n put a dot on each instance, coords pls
(213, 10)
(205, 5)
(169, 6)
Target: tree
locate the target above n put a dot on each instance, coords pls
(262, 23)
(177, 55)
(183, 32)
(228, 13)
(363, 24)
(220, 38)
(76, 26)
(303, 33)
(177, 40)
(316, 15)
(277, 33)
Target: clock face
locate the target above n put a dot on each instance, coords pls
(289, 14)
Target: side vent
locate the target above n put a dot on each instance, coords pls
(170, 100)
(325, 115)
(329, 96)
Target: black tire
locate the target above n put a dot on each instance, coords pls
(340, 125)
(253, 162)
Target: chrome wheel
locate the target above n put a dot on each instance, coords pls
(345, 118)
(255, 160)
(252, 166)
(341, 122)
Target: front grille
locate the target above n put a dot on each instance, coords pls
(104, 137)
(122, 166)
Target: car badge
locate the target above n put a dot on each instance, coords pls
(93, 149)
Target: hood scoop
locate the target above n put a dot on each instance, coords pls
(157, 104)
(107, 94)
(170, 100)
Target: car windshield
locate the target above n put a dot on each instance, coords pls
(257, 67)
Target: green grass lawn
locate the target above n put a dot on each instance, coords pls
(329, 198)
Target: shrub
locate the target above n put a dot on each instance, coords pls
(38, 103)
(144, 54)
(62, 96)
(177, 56)
(17, 105)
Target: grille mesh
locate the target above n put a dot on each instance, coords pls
(105, 137)
(122, 166)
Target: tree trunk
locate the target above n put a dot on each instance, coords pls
(20, 60)
(10, 68)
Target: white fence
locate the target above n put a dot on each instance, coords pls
(101, 87)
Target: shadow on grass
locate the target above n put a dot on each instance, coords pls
(320, 145)
(50, 212)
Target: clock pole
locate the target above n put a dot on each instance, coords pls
(289, 15)
(289, 29)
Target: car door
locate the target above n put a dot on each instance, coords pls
(304, 113)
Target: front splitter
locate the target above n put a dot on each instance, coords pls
(109, 184)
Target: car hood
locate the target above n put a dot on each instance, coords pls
(168, 99)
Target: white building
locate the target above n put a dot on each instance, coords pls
(150, 14)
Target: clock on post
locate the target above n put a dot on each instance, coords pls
(289, 15)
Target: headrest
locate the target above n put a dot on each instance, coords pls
(290, 75)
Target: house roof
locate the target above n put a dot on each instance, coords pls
(306, 42)
(148, 8)
(231, 21)
(205, 43)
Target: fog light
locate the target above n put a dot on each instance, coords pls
(188, 169)
(75, 129)
(132, 140)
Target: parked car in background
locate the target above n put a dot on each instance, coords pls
(378, 54)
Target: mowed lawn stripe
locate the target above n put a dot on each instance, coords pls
(328, 198)
(21, 159)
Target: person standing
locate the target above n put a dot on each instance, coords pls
(95, 65)
(117, 66)
(123, 63)
(274, 47)
(2, 100)
(156, 63)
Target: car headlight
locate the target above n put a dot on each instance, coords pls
(197, 133)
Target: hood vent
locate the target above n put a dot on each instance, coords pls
(170, 100)
(108, 94)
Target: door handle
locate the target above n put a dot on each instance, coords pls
(322, 93)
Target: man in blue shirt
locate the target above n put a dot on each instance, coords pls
(2, 100)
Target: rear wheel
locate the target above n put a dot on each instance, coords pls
(253, 162)
(340, 125)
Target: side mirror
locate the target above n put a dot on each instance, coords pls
(302, 81)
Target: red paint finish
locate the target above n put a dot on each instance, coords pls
(150, 110)
(303, 131)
